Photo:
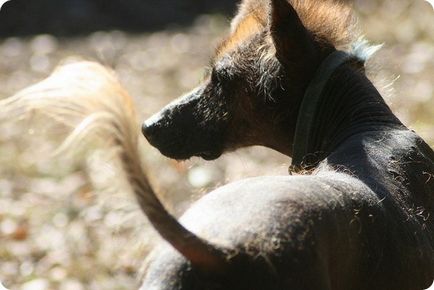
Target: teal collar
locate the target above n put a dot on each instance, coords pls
(303, 139)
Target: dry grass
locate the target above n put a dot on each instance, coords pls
(69, 222)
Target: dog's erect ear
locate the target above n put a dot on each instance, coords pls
(291, 39)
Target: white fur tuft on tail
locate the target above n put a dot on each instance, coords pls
(82, 95)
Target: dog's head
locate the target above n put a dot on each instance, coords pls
(253, 92)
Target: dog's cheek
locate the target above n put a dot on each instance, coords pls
(241, 123)
(210, 124)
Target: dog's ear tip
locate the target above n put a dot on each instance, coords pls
(283, 17)
(287, 31)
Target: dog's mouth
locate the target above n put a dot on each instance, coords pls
(184, 155)
(209, 155)
(182, 144)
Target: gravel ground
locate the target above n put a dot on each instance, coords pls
(71, 224)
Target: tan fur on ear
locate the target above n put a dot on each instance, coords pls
(246, 8)
(331, 22)
(248, 27)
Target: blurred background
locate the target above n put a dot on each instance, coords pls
(71, 223)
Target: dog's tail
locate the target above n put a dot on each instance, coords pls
(88, 98)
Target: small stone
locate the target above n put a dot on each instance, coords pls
(37, 284)
(200, 176)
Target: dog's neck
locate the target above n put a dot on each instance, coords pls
(347, 105)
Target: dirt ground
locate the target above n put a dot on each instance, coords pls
(71, 224)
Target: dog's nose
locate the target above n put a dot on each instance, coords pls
(149, 130)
